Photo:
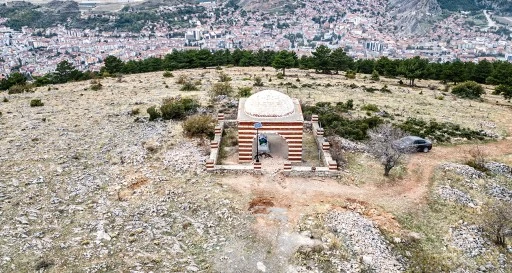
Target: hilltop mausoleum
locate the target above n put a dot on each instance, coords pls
(279, 114)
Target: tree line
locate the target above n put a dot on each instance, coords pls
(323, 60)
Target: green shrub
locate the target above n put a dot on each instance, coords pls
(258, 81)
(291, 85)
(439, 131)
(96, 87)
(440, 97)
(20, 88)
(344, 107)
(505, 90)
(370, 108)
(244, 91)
(469, 90)
(375, 76)
(353, 86)
(36, 103)
(222, 88)
(370, 89)
(335, 123)
(350, 74)
(182, 79)
(280, 76)
(178, 108)
(475, 165)
(223, 77)
(188, 86)
(153, 113)
(168, 74)
(199, 126)
(385, 89)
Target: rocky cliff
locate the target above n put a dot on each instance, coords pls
(413, 16)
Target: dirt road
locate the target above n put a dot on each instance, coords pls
(309, 195)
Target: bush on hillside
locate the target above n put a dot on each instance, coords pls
(199, 126)
(223, 77)
(375, 76)
(370, 108)
(350, 74)
(168, 74)
(469, 90)
(20, 88)
(153, 113)
(36, 103)
(505, 90)
(258, 81)
(182, 79)
(189, 86)
(439, 131)
(222, 88)
(178, 108)
(244, 92)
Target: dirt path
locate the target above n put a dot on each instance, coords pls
(421, 166)
(300, 196)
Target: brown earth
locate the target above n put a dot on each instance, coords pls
(302, 196)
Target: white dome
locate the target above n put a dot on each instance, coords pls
(269, 103)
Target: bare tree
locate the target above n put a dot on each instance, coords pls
(383, 145)
(498, 222)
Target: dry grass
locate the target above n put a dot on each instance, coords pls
(310, 151)
(70, 111)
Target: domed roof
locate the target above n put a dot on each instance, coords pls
(269, 103)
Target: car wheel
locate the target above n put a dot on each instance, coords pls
(425, 150)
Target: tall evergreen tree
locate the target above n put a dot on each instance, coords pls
(322, 59)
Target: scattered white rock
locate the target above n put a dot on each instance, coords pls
(469, 239)
(261, 267)
(368, 246)
(464, 170)
(457, 196)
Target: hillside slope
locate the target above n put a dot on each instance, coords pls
(414, 16)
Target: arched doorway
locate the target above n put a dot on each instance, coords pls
(277, 145)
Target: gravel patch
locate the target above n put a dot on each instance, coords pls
(457, 196)
(463, 170)
(185, 157)
(369, 248)
(499, 192)
(499, 168)
(469, 239)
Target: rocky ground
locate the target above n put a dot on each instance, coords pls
(89, 185)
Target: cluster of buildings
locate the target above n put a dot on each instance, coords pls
(363, 30)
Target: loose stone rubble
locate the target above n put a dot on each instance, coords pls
(499, 168)
(457, 196)
(348, 145)
(469, 239)
(464, 170)
(499, 192)
(369, 249)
